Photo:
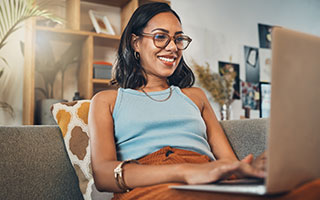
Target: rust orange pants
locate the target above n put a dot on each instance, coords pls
(168, 155)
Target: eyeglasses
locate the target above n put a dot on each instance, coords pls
(161, 40)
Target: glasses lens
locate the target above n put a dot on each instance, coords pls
(182, 42)
(161, 40)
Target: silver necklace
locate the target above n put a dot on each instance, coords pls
(158, 100)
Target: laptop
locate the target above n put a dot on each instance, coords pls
(294, 128)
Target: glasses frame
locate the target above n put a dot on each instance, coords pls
(152, 35)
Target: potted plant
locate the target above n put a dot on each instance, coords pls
(12, 14)
(48, 69)
(219, 86)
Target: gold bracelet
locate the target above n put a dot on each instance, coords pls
(118, 175)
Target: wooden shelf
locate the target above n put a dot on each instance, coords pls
(117, 3)
(122, 3)
(58, 32)
(101, 81)
(68, 35)
(87, 85)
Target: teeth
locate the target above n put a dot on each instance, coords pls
(166, 59)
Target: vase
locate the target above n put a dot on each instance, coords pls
(225, 111)
(44, 116)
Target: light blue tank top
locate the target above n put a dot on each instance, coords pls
(143, 126)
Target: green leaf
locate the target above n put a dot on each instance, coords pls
(22, 47)
(1, 72)
(4, 60)
(12, 13)
(7, 107)
(7, 16)
(2, 24)
(2, 44)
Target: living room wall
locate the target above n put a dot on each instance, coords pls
(219, 29)
(11, 81)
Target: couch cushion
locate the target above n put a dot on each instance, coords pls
(34, 164)
(246, 135)
(72, 118)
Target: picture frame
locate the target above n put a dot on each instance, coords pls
(236, 68)
(250, 95)
(252, 64)
(265, 99)
(101, 23)
(265, 35)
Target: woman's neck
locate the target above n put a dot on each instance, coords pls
(155, 86)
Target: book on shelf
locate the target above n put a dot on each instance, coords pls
(102, 70)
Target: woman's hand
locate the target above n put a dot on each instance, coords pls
(220, 169)
(260, 162)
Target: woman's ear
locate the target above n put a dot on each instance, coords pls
(135, 42)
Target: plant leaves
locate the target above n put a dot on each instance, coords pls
(13, 12)
(1, 72)
(22, 47)
(4, 60)
(219, 86)
(7, 107)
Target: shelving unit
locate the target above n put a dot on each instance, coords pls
(87, 85)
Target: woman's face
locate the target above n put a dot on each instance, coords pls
(159, 62)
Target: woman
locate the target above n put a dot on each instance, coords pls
(156, 117)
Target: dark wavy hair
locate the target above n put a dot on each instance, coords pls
(128, 72)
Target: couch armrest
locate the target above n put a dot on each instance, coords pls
(246, 135)
(34, 164)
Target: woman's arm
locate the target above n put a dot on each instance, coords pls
(103, 151)
(104, 159)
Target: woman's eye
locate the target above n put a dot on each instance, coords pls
(179, 39)
(160, 37)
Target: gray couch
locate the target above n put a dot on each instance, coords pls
(34, 163)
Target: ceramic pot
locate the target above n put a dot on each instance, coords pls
(44, 113)
(225, 112)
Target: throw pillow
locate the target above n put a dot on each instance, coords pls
(72, 118)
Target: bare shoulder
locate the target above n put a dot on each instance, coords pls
(197, 95)
(194, 91)
(105, 98)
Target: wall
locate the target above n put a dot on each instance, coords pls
(11, 81)
(220, 29)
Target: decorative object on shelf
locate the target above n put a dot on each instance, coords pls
(13, 12)
(102, 70)
(44, 116)
(225, 112)
(219, 86)
(101, 23)
(49, 68)
(76, 96)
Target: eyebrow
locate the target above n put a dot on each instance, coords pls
(166, 31)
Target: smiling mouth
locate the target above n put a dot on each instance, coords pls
(167, 61)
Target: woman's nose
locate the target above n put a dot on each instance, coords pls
(172, 46)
